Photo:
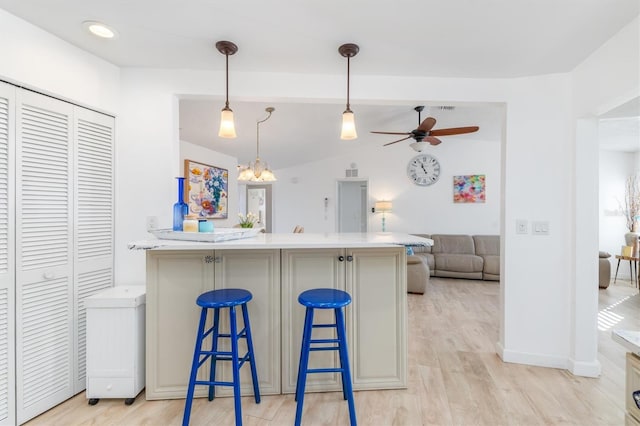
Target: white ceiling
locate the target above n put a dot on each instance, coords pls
(463, 38)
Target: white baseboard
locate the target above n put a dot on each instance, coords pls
(585, 369)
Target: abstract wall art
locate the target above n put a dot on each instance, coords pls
(469, 189)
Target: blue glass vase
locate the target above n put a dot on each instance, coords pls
(180, 209)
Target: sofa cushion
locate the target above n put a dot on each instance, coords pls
(429, 260)
(452, 244)
(458, 262)
(491, 264)
(487, 245)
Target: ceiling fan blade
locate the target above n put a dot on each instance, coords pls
(433, 141)
(427, 124)
(399, 140)
(454, 131)
(392, 133)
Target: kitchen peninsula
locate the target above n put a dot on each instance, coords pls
(276, 268)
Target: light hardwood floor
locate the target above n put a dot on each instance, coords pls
(456, 378)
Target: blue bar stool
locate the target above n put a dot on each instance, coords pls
(216, 300)
(324, 298)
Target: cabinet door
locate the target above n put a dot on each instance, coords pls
(175, 279)
(259, 272)
(7, 255)
(302, 270)
(377, 317)
(44, 255)
(94, 220)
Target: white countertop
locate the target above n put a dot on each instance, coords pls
(628, 338)
(291, 240)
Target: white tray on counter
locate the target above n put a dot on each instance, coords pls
(218, 235)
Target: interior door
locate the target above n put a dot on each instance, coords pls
(259, 203)
(94, 220)
(352, 205)
(7, 255)
(44, 239)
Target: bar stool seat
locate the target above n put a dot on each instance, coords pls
(227, 298)
(324, 298)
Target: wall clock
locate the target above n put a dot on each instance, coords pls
(423, 169)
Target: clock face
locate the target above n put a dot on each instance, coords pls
(423, 170)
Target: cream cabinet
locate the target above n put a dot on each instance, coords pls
(376, 319)
(174, 281)
(632, 385)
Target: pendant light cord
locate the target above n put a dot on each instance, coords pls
(348, 78)
(226, 103)
(269, 110)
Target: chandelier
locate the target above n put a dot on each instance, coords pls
(258, 171)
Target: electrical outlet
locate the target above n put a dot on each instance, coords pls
(522, 226)
(152, 222)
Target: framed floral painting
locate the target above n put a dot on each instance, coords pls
(469, 189)
(206, 190)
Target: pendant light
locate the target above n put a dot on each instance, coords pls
(258, 171)
(227, 126)
(348, 50)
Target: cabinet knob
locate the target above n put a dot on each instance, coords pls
(217, 259)
(349, 258)
(208, 259)
(341, 258)
(48, 275)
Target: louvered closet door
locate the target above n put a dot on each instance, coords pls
(7, 256)
(44, 238)
(94, 221)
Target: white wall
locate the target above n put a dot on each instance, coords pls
(615, 167)
(40, 61)
(301, 190)
(207, 156)
(607, 78)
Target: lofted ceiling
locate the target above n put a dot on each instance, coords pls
(462, 38)
(297, 133)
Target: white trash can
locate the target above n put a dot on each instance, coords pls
(115, 343)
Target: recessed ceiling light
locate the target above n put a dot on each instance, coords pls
(99, 29)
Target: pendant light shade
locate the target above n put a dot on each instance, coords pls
(227, 125)
(348, 50)
(348, 126)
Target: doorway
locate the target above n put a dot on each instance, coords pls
(352, 205)
(259, 203)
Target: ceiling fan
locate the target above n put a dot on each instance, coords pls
(424, 133)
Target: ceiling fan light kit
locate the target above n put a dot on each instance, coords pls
(348, 132)
(227, 125)
(258, 171)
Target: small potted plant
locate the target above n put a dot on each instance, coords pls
(247, 221)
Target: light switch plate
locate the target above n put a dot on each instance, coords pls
(522, 226)
(540, 227)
